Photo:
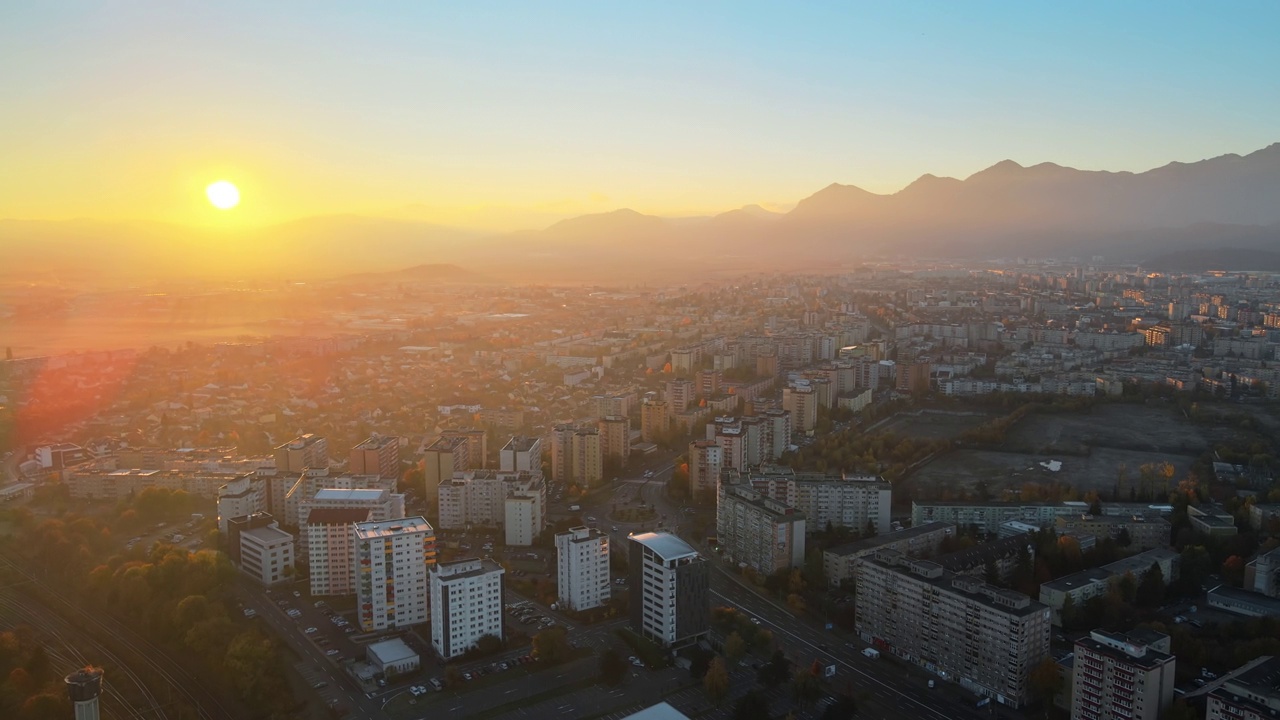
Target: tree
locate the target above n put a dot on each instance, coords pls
(734, 647)
(1151, 589)
(551, 645)
(1233, 570)
(1095, 508)
(805, 688)
(1123, 539)
(844, 708)
(612, 667)
(751, 706)
(716, 681)
(1045, 680)
(452, 676)
(776, 671)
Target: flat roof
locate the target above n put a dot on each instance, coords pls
(666, 545)
(356, 494)
(400, 526)
(889, 538)
(391, 651)
(336, 516)
(267, 534)
(661, 711)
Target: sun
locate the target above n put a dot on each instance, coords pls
(223, 195)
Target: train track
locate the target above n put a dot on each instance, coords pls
(156, 660)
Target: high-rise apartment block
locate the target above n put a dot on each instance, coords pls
(987, 638)
(444, 457)
(757, 531)
(706, 459)
(378, 455)
(381, 503)
(521, 454)
(477, 445)
(682, 394)
(582, 568)
(245, 495)
(311, 482)
(655, 419)
(1122, 677)
(305, 452)
(517, 501)
(670, 590)
(802, 403)
(393, 560)
(607, 405)
(615, 437)
(466, 602)
(588, 457)
(329, 535)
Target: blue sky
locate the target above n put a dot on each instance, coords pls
(119, 109)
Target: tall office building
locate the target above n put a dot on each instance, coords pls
(378, 455)
(331, 551)
(986, 638)
(393, 559)
(1122, 677)
(615, 437)
(670, 590)
(466, 602)
(84, 686)
(763, 533)
(521, 454)
(706, 458)
(582, 568)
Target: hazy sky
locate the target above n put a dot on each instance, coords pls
(126, 110)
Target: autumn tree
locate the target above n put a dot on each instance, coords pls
(734, 647)
(551, 645)
(1045, 681)
(805, 688)
(716, 681)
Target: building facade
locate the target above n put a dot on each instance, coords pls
(669, 590)
(840, 562)
(466, 602)
(758, 532)
(329, 534)
(1122, 677)
(393, 559)
(582, 569)
(378, 455)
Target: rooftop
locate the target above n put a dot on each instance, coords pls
(1130, 649)
(267, 534)
(336, 516)
(661, 711)
(667, 546)
(871, 543)
(1005, 601)
(391, 651)
(358, 495)
(465, 568)
(385, 528)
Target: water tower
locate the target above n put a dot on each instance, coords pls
(84, 686)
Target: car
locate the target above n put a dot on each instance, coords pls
(348, 630)
(503, 666)
(466, 676)
(322, 642)
(382, 682)
(414, 690)
(614, 529)
(311, 631)
(320, 603)
(250, 612)
(320, 685)
(635, 661)
(931, 684)
(589, 519)
(435, 683)
(331, 652)
(755, 621)
(297, 594)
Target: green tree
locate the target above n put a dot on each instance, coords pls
(612, 667)
(1045, 681)
(551, 645)
(453, 676)
(753, 705)
(1151, 590)
(716, 682)
(776, 671)
(805, 688)
(734, 647)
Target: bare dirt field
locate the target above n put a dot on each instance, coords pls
(935, 424)
(962, 469)
(1158, 428)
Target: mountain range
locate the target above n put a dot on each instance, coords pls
(1004, 210)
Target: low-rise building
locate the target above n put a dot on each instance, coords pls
(1250, 693)
(266, 554)
(1144, 533)
(392, 657)
(1094, 582)
(921, 541)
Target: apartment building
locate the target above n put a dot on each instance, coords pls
(516, 501)
(615, 437)
(561, 441)
(1094, 582)
(521, 454)
(802, 403)
(758, 532)
(1001, 556)
(706, 459)
(670, 590)
(381, 504)
(985, 638)
(989, 516)
(305, 452)
(923, 541)
(329, 536)
(477, 445)
(377, 455)
(466, 602)
(393, 559)
(588, 457)
(681, 395)
(1144, 533)
(245, 495)
(444, 457)
(655, 419)
(777, 432)
(1251, 692)
(609, 405)
(582, 568)
(1122, 677)
(524, 510)
(266, 554)
(860, 502)
(312, 482)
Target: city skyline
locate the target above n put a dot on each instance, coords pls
(502, 118)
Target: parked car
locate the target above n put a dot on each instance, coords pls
(311, 631)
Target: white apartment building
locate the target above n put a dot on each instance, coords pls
(466, 602)
(777, 432)
(985, 638)
(329, 535)
(582, 568)
(381, 503)
(615, 437)
(706, 459)
(266, 554)
(988, 516)
(521, 454)
(311, 482)
(517, 501)
(393, 559)
(670, 590)
(857, 502)
(1122, 677)
(245, 495)
(759, 532)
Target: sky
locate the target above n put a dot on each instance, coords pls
(514, 114)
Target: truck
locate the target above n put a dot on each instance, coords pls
(872, 653)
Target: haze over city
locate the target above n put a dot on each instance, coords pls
(715, 361)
